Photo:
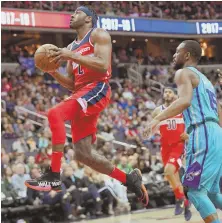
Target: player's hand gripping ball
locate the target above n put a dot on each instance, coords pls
(61, 55)
(43, 58)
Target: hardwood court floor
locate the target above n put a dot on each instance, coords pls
(152, 216)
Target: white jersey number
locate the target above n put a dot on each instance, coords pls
(171, 124)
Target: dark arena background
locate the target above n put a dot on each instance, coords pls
(144, 38)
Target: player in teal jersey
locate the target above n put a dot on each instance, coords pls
(203, 121)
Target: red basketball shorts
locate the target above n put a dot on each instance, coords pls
(82, 109)
(172, 153)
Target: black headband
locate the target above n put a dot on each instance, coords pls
(88, 13)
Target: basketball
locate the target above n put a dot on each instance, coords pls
(42, 61)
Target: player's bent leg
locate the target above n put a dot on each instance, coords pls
(178, 180)
(57, 126)
(212, 219)
(215, 192)
(203, 204)
(65, 110)
(216, 199)
(172, 176)
(187, 211)
(51, 178)
(85, 154)
(170, 171)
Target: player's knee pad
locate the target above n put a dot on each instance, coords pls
(216, 199)
(201, 202)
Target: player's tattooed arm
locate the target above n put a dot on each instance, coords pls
(183, 80)
(102, 53)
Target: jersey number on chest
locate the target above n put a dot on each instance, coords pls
(213, 100)
(171, 124)
(80, 70)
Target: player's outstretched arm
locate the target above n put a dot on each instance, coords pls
(185, 93)
(102, 53)
(156, 112)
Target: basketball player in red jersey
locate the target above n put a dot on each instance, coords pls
(172, 142)
(89, 70)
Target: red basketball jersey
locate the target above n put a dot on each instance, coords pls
(171, 129)
(83, 75)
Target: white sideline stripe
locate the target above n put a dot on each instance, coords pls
(68, 126)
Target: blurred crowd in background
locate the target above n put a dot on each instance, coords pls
(26, 139)
(12, 53)
(26, 147)
(167, 10)
(137, 54)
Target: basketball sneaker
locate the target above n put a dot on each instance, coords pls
(47, 182)
(179, 207)
(187, 212)
(134, 184)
